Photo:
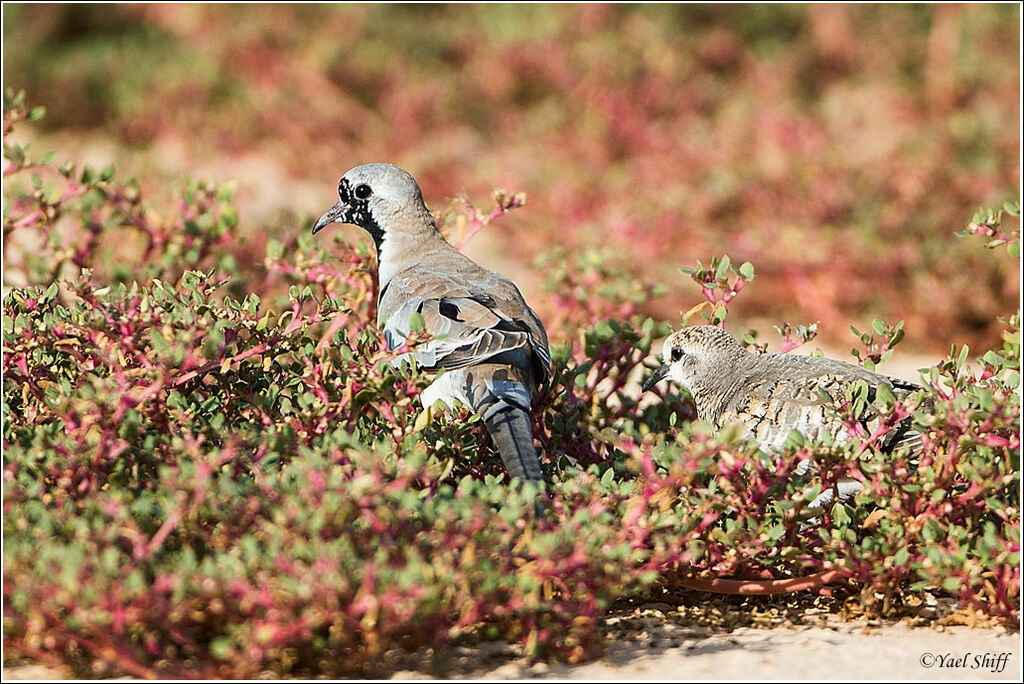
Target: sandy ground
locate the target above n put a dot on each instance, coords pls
(848, 651)
(842, 651)
(814, 639)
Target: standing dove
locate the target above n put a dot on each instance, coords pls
(490, 344)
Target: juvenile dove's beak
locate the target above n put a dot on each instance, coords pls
(656, 377)
(335, 213)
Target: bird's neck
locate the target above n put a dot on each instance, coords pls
(715, 391)
(397, 250)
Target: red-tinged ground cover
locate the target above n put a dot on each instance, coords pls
(210, 469)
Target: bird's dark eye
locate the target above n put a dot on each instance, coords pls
(676, 354)
(363, 191)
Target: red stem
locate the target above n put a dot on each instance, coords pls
(477, 226)
(252, 351)
(716, 585)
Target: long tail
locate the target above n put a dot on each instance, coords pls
(510, 429)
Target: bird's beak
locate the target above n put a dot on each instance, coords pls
(658, 375)
(337, 213)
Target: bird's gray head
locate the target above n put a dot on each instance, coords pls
(696, 355)
(371, 196)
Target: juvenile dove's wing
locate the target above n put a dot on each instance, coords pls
(802, 393)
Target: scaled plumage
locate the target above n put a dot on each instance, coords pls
(770, 395)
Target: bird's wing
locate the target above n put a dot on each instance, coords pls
(801, 393)
(831, 379)
(771, 407)
(813, 380)
(471, 322)
(490, 341)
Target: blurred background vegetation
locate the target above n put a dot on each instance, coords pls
(837, 148)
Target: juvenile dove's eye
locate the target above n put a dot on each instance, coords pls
(676, 354)
(363, 191)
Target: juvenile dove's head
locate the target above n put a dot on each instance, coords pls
(692, 356)
(377, 198)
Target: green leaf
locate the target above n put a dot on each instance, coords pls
(794, 439)
(608, 477)
(719, 314)
(993, 359)
(840, 515)
(158, 341)
(962, 358)
(50, 293)
(723, 267)
(275, 249)
(222, 648)
(230, 216)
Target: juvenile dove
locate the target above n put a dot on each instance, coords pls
(771, 395)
